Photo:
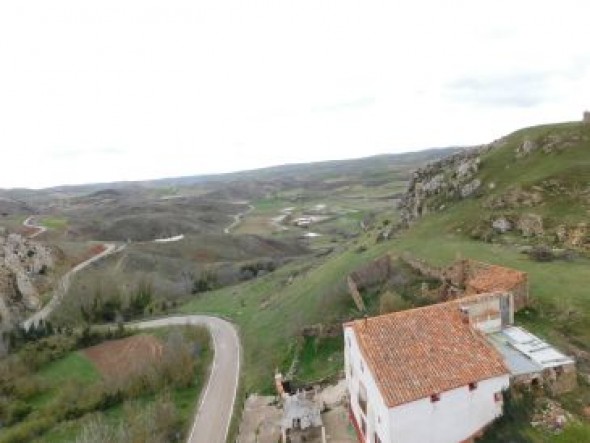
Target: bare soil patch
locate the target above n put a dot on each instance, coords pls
(126, 356)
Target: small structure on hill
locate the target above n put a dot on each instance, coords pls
(481, 278)
(586, 118)
(437, 373)
(302, 418)
(470, 277)
(422, 375)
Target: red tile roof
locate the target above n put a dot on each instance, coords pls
(419, 352)
(495, 278)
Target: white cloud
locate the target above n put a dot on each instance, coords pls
(111, 90)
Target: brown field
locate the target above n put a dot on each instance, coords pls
(119, 358)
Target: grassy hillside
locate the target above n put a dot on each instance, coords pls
(270, 311)
(552, 182)
(540, 174)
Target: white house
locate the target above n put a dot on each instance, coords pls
(424, 375)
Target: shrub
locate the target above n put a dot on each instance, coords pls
(542, 253)
(392, 302)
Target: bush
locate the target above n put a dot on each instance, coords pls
(542, 253)
(392, 302)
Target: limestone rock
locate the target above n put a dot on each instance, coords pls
(578, 236)
(502, 225)
(561, 233)
(468, 189)
(23, 265)
(526, 148)
(530, 225)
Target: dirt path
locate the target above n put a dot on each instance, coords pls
(64, 284)
(238, 219)
(214, 412)
(29, 223)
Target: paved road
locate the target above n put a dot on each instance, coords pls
(213, 417)
(215, 409)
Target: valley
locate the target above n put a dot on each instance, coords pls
(273, 253)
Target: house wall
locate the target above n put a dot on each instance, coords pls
(457, 416)
(486, 311)
(376, 418)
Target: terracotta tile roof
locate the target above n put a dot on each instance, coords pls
(495, 278)
(419, 352)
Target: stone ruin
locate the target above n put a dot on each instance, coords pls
(586, 118)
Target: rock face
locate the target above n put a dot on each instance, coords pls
(526, 148)
(24, 265)
(450, 178)
(502, 225)
(530, 225)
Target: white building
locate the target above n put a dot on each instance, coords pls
(424, 375)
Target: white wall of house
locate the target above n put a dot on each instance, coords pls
(376, 417)
(459, 414)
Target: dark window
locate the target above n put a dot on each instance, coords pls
(377, 439)
(498, 397)
(362, 398)
(472, 386)
(363, 426)
(434, 398)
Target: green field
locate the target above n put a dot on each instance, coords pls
(271, 311)
(65, 395)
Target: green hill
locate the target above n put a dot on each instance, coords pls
(535, 180)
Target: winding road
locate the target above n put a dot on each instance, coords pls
(29, 223)
(214, 412)
(238, 219)
(215, 409)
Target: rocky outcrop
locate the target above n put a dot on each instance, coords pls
(530, 225)
(515, 197)
(451, 178)
(526, 148)
(24, 265)
(502, 225)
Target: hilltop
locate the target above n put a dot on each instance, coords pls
(530, 187)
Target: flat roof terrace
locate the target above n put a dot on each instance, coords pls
(525, 353)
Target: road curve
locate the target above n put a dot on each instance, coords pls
(214, 412)
(30, 224)
(237, 219)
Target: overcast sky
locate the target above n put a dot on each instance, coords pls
(135, 89)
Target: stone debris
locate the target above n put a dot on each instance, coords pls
(550, 416)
